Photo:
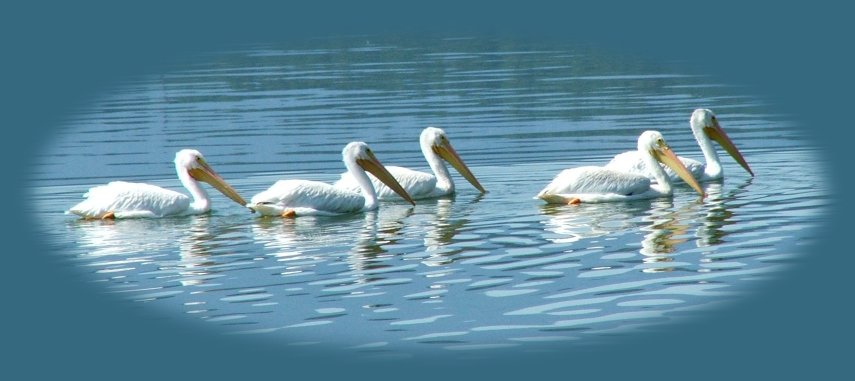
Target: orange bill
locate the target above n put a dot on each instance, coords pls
(717, 133)
(447, 152)
(666, 156)
(206, 174)
(381, 173)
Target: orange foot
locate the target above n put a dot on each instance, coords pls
(574, 201)
(109, 216)
(289, 213)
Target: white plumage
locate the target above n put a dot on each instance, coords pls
(436, 149)
(706, 129)
(128, 200)
(599, 184)
(595, 183)
(631, 162)
(289, 198)
(120, 199)
(306, 197)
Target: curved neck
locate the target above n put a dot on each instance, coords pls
(712, 168)
(364, 182)
(437, 165)
(663, 182)
(201, 203)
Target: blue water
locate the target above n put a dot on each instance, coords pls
(471, 273)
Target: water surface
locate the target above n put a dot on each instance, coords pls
(470, 273)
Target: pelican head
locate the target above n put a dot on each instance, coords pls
(653, 143)
(361, 154)
(704, 120)
(193, 163)
(436, 139)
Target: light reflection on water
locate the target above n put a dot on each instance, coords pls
(473, 273)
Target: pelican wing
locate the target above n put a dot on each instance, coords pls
(696, 168)
(417, 184)
(631, 162)
(126, 199)
(307, 197)
(348, 182)
(595, 181)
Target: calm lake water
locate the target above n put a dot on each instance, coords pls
(473, 273)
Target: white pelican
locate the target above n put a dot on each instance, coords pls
(599, 184)
(120, 199)
(436, 148)
(704, 127)
(291, 198)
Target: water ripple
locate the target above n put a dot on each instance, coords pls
(469, 273)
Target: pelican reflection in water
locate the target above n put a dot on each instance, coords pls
(196, 248)
(664, 228)
(444, 223)
(720, 212)
(302, 243)
(131, 241)
(590, 220)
